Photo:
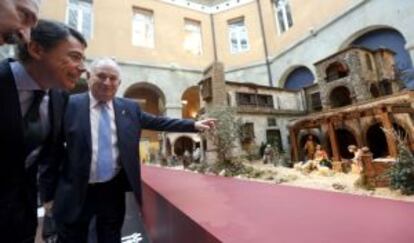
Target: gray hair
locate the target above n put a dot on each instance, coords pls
(104, 61)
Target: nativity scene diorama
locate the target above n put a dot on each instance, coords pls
(350, 131)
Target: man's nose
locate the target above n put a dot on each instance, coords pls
(82, 67)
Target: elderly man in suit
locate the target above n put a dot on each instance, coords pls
(31, 111)
(17, 17)
(102, 134)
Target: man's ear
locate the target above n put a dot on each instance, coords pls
(35, 50)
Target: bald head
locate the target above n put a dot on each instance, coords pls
(17, 17)
(105, 61)
(104, 79)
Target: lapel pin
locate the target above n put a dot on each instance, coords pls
(123, 112)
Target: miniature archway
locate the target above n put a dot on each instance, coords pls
(377, 141)
(336, 71)
(344, 139)
(182, 144)
(191, 102)
(374, 90)
(340, 96)
(298, 78)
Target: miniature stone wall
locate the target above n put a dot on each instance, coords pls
(374, 172)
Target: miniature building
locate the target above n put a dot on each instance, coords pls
(356, 98)
(265, 111)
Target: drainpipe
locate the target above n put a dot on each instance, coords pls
(269, 71)
(214, 37)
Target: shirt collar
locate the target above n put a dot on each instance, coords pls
(24, 82)
(94, 102)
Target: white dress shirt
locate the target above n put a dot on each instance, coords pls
(95, 112)
(25, 87)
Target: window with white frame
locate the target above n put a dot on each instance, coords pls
(283, 15)
(192, 38)
(239, 41)
(79, 15)
(143, 28)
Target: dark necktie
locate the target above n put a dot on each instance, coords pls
(33, 129)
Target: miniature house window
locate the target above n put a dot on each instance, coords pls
(271, 122)
(245, 99)
(369, 62)
(274, 138)
(79, 15)
(316, 101)
(206, 90)
(374, 90)
(143, 28)
(336, 71)
(340, 96)
(265, 101)
(247, 132)
(283, 15)
(385, 87)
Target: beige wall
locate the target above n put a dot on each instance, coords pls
(251, 20)
(112, 34)
(306, 14)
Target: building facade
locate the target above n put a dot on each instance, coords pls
(164, 46)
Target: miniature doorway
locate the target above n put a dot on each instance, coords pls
(377, 141)
(340, 96)
(182, 144)
(344, 139)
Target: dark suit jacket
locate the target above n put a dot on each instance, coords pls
(74, 175)
(18, 193)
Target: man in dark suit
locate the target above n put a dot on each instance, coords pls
(102, 135)
(17, 17)
(31, 114)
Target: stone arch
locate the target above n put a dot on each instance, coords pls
(183, 143)
(377, 140)
(190, 100)
(297, 77)
(336, 70)
(345, 137)
(340, 96)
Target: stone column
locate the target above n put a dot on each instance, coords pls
(391, 141)
(294, 144)
(334, 142)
